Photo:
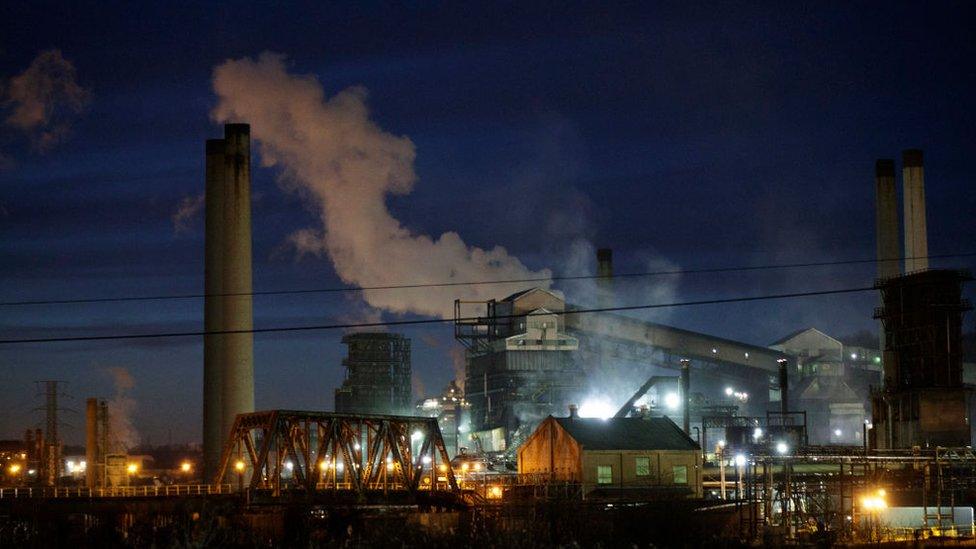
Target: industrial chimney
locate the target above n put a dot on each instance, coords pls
(886, 219)
(916, 237)
(604, 281)
(228, 361)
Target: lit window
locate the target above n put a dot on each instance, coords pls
(643, 466)
(680, 473)
(604, 474)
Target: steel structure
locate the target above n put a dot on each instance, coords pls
(378, 375)
(307, 452)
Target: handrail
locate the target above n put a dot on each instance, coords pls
(78, 492)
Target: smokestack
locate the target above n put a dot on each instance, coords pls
(916, 236)
(604, 281)
(686, 395)
(228, 363)
(886, 219)
(91, 442)
(573, 411)
(784, 387)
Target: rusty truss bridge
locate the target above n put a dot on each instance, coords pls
(326, 457)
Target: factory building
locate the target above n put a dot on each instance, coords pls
(924, 402)
(530, 355)
(831, 382)
(617, 457)
(451, 411)
(377, 375)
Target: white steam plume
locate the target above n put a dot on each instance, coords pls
(346, 165)
(120, 408)
(188, 210)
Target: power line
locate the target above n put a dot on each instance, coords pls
(468, 283)
(421, 321)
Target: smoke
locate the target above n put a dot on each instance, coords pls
(187, 211)
(120, 409)
(43, 100)
(329, 150)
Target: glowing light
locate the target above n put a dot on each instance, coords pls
(477, 466)
(289, 465)
(721, 444)
(874, 502)
(672, 401)
(495, 492)
(443, 468)
(425, 460)
(714, 350)
(463, 429)
(239, 466)
(356, 446)
(729, 391)
(14, 469)
(782, 448)
(132, 468)
(417, 435)
(186, 466)
(740, 460)
(464, 467)
(338, 466)
(757, 434)
(853, 356)
(389, 466)
(837, 432)
(598, 408)
(324, 465)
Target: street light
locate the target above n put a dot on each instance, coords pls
(186, 467)
(782, 448)
(239, 466)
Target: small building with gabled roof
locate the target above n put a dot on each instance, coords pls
(627, 457)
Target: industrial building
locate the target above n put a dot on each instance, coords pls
(529, 356)
(377, 375)
(620, 457)
(451, 411)
(923, 401)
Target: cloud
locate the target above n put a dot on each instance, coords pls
(187, 212)
(42, 101)
(329, 150)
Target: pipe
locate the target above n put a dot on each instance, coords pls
(686, 395)
(916, 236)
(91, 443)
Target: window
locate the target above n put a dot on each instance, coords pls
(643, 466)
(604, 474)
(680, 473)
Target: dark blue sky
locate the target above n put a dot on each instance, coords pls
(682, 136)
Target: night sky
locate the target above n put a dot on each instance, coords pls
(683, 137)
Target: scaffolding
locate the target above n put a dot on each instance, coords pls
(378, 375)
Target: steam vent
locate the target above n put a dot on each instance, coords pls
(228, 359)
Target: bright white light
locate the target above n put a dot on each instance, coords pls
(747, 355)
(853, 356)
(729, 391)
(672, 401)
(721, 444)
(338, 466)
(596, 408)
(463, 429)
(837, 432)
(714, 351)
(740, 460)
(757, 434)
(426, 460)
(355, 446)
(417, 435)
(289, 465)
(782, 448)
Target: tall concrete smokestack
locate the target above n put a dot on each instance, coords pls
(228, 361)
(916, 236)
(604, 281)
(886, 219)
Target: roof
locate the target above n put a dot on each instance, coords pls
(801, 331)
(627, 433)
